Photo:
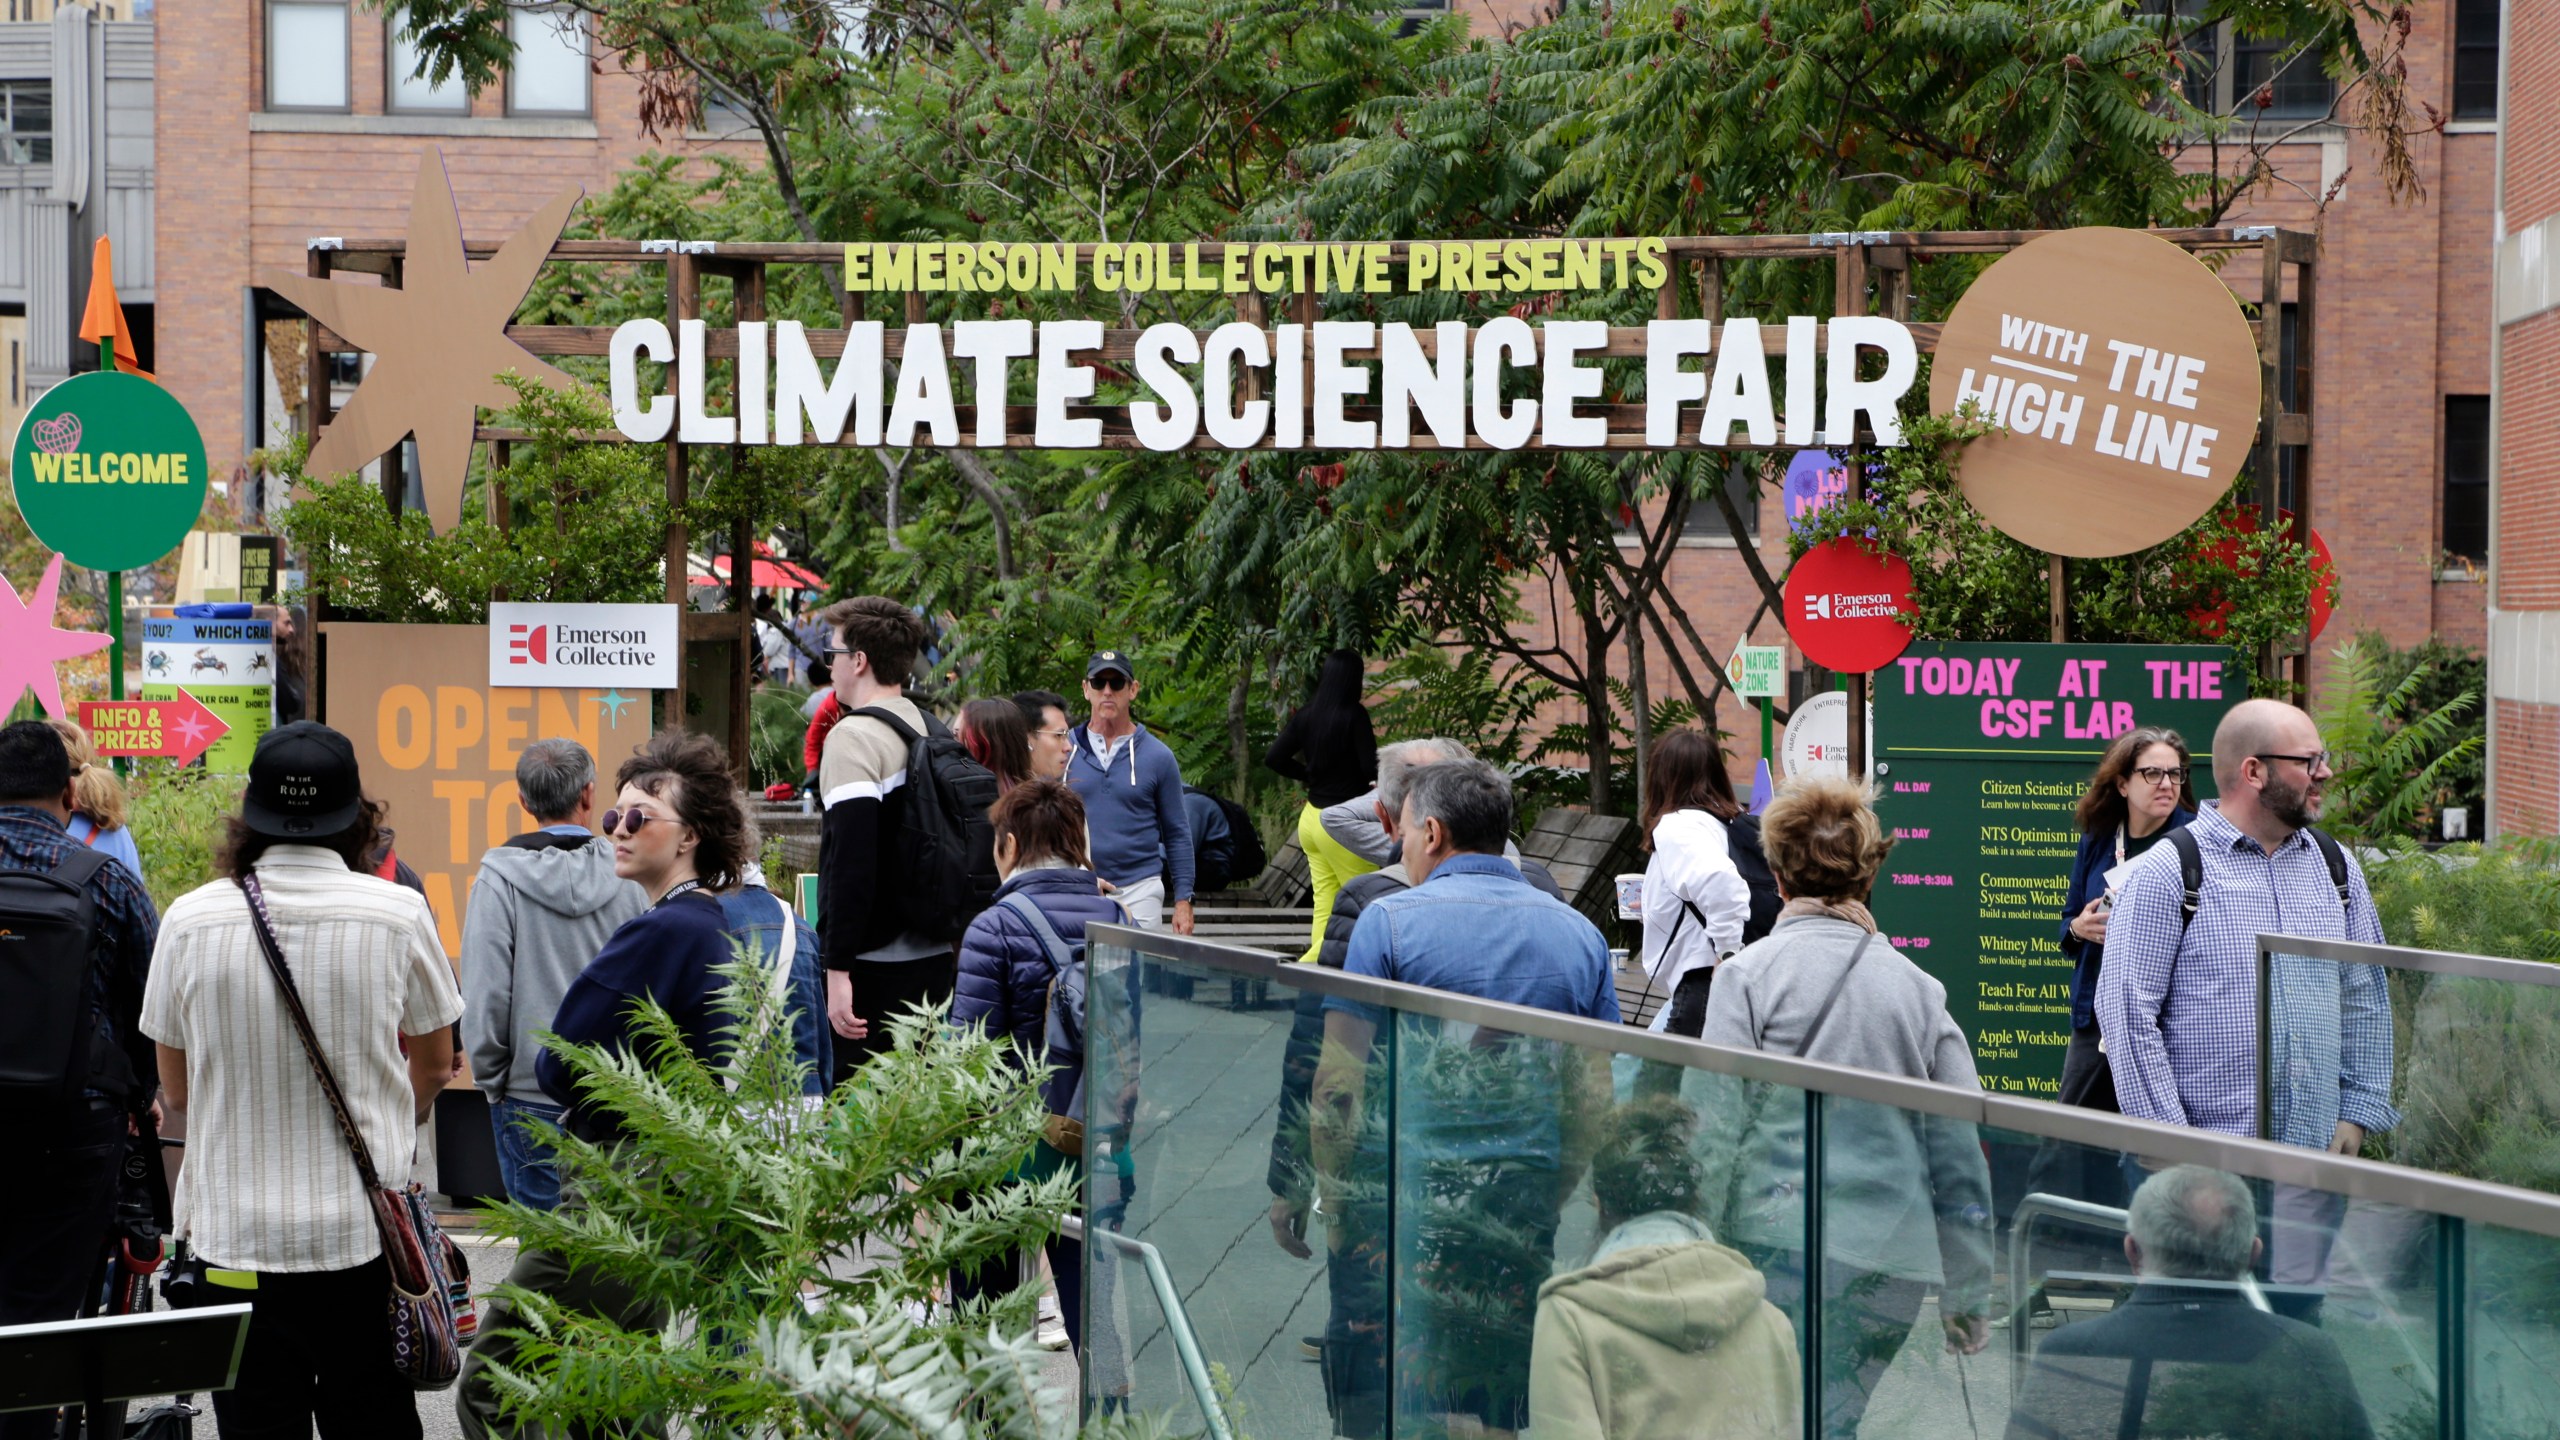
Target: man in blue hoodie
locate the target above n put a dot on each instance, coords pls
(1132, 791)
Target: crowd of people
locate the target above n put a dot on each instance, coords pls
(962, 865)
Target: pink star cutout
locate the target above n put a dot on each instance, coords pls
(189, 728)
(31, 645)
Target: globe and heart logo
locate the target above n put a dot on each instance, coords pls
(59, 435)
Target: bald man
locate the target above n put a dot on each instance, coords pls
(2178, 998)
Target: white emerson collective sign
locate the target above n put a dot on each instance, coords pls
(1331, 385)
(583, 646)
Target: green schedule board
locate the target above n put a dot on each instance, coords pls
(1983, 751)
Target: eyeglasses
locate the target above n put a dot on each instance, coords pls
(2317, 760)
(613, 823)
(1108, 680)
(1061, 733)
(2160, 775)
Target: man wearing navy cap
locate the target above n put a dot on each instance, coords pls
(1132, 791)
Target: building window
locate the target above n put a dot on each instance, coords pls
(549, 74)
(2475, 59)
(409, 93)
(306, 55)
(26, 122)
(2224, 70)
(1705, 519)
(2466, 476)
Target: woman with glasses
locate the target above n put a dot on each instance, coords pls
(2139, 794)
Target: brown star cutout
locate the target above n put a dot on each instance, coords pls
(439, 342)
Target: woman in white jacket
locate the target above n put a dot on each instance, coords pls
(1695, 901)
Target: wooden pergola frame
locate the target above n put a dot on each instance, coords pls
(1872, 274)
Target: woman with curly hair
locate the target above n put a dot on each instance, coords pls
(98, 811)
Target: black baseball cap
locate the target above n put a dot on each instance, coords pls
(1109, 660)
(302, 783)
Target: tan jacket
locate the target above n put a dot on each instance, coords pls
(1665, 1335)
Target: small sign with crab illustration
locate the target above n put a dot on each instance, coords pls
(227, 663)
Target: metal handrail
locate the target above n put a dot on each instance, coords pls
(2407, 957)
(2031, 1208)
(2477, 1201)
(1186, 1342)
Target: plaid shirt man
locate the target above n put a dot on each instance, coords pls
(2179, 1011)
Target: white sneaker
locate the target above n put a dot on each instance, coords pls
(1052, 1333)
(1049, 1307)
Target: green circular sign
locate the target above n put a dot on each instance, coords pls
(109, 469)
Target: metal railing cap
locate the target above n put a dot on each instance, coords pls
(2472, 1200)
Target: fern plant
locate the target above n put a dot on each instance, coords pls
(748, 1214)
(2396, 759)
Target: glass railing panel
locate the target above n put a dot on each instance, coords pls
(2240, 1307)
(1186, 1097)
(2470, 1072)
(2511, 1329)
(1578, 1242)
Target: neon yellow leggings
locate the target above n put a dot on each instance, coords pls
(1329, 864)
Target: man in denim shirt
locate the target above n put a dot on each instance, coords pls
(2178, 999)
(1489, 1126)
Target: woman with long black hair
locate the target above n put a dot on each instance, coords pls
(1329, 745)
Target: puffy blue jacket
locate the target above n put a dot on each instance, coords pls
(1005, 970)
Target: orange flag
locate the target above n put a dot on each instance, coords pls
(104, 317)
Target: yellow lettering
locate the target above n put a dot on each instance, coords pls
(459, 796)
(1546, 264)
(1650, 269)
(1266, 268)
(1140, 268)
(1021, 267)
(1457, 266)
(508, 727)
(1581, 266)
(857, 265)
(1421, 262)
(458, 723)
(893, 267)
(559, 714)
(48, 468)
(402, 720)
(1106, 266)
(1232, 259)
(155, 469)
(1375, 257)
(929, 266)
(1057, 267)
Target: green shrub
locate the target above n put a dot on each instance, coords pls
(176, 816)
(777, 736)
(2501, 900)
(2405, 748)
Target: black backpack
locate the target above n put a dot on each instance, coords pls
(1742, 842)
(946, 845)
(2191, 872)
(1246, 859)
(49, 1050)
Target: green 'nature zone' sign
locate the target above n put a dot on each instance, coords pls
(1983, 752)
(109, 470)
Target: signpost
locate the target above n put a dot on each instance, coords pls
(1986, 750)
(1759, 672)
(175, 728)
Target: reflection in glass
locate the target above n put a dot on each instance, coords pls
(1662, 1333)
(2192, 1350)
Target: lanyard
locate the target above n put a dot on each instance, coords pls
(2119, 844)
(681, 888)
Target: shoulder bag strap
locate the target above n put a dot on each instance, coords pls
(1837, 986)
(302, 1026)
(1061, 954)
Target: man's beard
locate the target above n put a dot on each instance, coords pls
(2292, 804)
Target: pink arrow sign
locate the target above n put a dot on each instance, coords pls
(178, 729)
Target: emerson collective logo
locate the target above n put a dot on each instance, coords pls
(621, 646)
(1852, 605)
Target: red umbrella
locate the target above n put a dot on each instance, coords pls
(764, 574)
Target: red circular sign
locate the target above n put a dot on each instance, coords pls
(2210, 619)
(1846, 605)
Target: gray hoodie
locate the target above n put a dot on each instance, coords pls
(543, 906)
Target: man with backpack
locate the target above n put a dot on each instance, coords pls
(75, 1070)
(906, 858)
(2178, 1001)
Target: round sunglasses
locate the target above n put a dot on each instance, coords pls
(614, 821)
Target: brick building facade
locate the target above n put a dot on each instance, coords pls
(2524, 616)
(297, 124)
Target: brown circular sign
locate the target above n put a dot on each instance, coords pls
(2127, 380)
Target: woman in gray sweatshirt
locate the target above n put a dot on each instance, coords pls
(1906, 1197)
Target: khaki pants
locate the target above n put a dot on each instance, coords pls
(476, 1401)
